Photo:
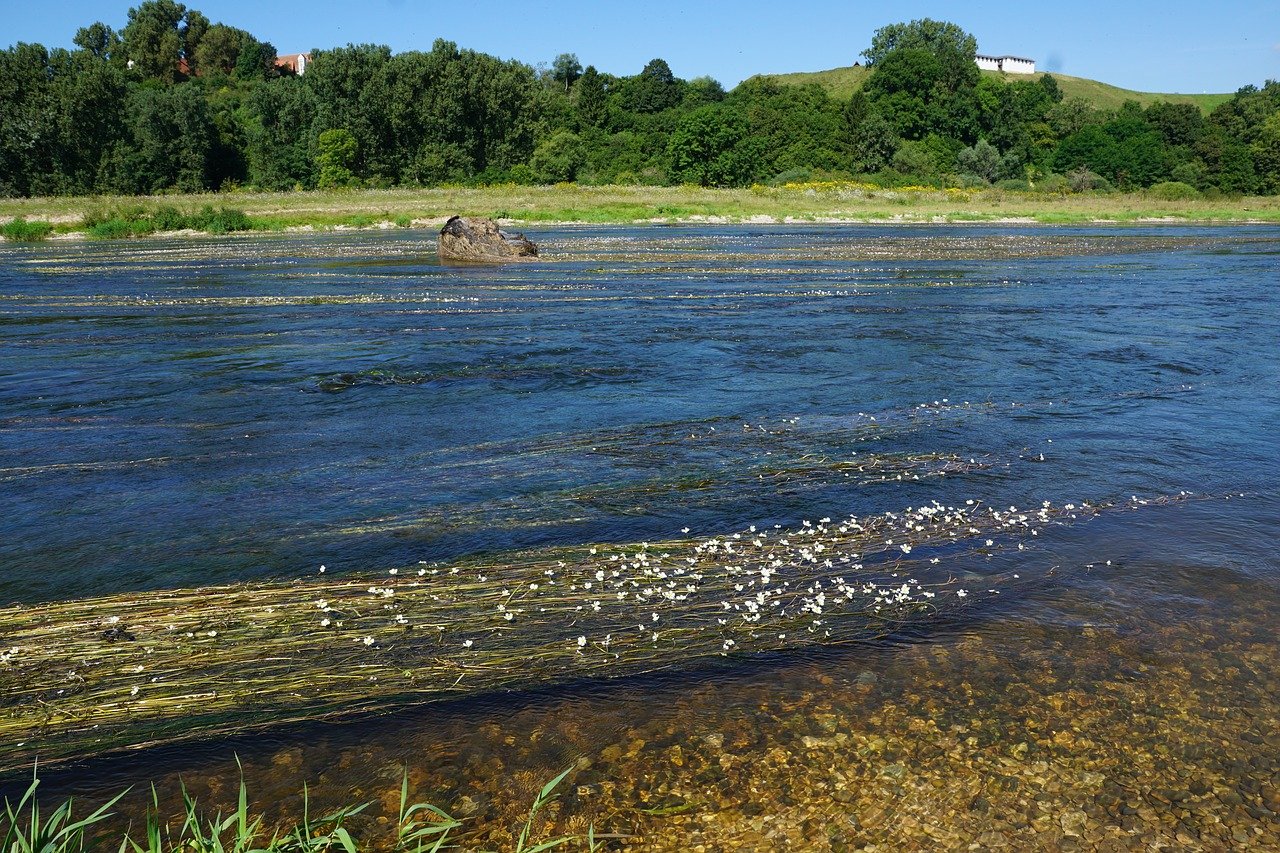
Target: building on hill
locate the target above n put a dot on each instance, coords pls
(295, 63)
(1007, 64)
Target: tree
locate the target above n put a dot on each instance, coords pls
(566, 69)
(874, 144)
(655, 88)
(26, 134)
(193, 29)
(906, 88)
(1051, 88)
(152, 40)
(701, 146)
(1266, 154)
(256, 60)
(1073, 115)
(953, 47)
(173, 141)
(703, 90)
(336, 152)
(1178, 124)
(591, 96)
(981, 159)
(279, 116)
(98, 39)
(558, 159)
(218, 51)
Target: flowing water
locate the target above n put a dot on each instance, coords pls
(204, 411)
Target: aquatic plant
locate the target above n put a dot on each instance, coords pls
(420, 827)
(84, 676)
(26, 829)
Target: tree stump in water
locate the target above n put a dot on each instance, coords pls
(479, 239)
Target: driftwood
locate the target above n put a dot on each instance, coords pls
(479, 239)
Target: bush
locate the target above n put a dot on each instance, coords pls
(20, 230)
(1054, 183)
(1173, 191)
(798, 175)
(118, 228)
(1084, 180)
(220, 221)
(1013, 184)
(168, 218)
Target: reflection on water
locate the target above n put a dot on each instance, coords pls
(161, 428)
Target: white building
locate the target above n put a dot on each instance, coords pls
(295, 62)
(1007, 64)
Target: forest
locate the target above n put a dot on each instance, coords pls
(175, 102)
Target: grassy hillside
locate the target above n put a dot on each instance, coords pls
(840, 83)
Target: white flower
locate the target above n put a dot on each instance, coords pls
(324, 623)
(582, 641)
(468, 643)
(906, 549)
(960, 593)
(368, 641)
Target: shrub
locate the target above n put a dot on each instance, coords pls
(1013, 184)
(168, 218)
(220, 221)
(21, 231)
(1173, 191)
(797, 175)
(115, 229)
(1084, 179)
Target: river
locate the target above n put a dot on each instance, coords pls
(200, 411)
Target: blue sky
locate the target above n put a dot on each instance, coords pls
(1174, 46)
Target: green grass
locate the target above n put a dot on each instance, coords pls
(119, 217)
(420, 828)
(841, 83)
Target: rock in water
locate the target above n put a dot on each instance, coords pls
(479, 239)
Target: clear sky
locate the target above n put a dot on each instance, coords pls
(1171, 46)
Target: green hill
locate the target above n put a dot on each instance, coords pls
(840, 83)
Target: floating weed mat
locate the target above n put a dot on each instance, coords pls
(127, 671)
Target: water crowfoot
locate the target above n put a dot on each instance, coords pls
(229, 652)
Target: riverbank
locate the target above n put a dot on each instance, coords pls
(568, 204)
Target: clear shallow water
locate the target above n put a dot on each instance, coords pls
(195, 412)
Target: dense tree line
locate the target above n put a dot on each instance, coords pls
(175, 102)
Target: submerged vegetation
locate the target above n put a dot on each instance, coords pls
(98, 674)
